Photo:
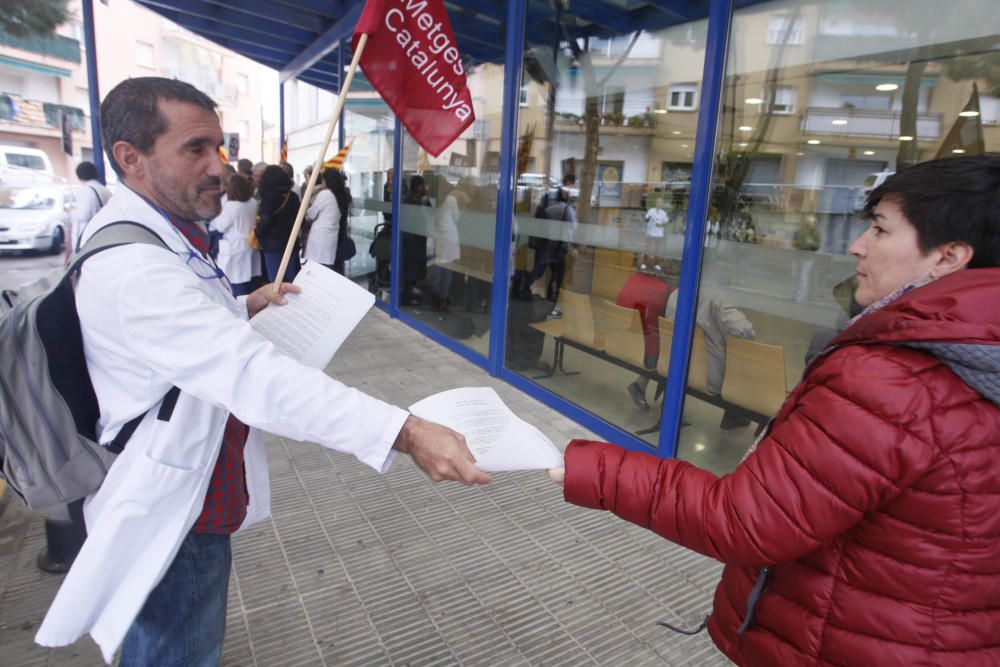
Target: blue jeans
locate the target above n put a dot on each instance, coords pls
(272, 262)
(183, 621)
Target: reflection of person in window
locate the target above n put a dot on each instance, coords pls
(550, 253)
(807, 238)
(716, 319)
(656, 223)
(646, 292)
(447, 247)
(414, 245)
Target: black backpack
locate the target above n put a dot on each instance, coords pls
(49, 452)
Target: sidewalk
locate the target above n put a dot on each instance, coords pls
(358, 569)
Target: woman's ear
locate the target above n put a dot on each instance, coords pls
(954, 256)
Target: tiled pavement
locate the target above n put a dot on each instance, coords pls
(358, 569)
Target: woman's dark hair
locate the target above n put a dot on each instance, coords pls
(416, 183)
(335, 182)
(274, 178)
(240, 188)
(951, 199)
(131, 112)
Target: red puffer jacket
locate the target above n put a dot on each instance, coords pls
(874, 499)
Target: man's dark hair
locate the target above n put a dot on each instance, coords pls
(951, 199)
(416, 183)
(289, 169)
(130, 112)
(569, 179)
(244, 167)
(86, 171)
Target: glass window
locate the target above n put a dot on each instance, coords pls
(844, 95)
(370, 130)
(682, 98)
(448, 215)
(145, 55)
(523, 99)
(604, 169)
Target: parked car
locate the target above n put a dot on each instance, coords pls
(22, 166)
(34, 218)
(871, 182)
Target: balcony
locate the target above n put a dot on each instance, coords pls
(20, 112)
(56, 46)
(866, 123)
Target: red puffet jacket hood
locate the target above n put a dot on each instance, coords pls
(873, 500)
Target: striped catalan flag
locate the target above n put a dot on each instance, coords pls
(284, 151)
(223, 155)
(337, 161)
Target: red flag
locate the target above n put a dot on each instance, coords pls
(412, 60)
(284, 151)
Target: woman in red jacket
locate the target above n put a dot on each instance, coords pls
(864, 527)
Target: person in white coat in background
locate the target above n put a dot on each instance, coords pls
(153, 574)
(89, 198)
(327, 217)
(239, 213)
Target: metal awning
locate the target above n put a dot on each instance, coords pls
(299, 38)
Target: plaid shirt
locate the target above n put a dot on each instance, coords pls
(226, 500)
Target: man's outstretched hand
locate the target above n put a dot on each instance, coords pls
(439, 451)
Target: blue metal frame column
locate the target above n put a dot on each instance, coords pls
(719, 16)
(340, 79)
(517, 11)
(93, 88)
(281, 118)
(397, 238)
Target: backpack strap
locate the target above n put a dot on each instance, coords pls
(123, 232)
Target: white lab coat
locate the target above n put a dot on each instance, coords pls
(88, 200)
(235, 222)
(321, 246)
(150, 322)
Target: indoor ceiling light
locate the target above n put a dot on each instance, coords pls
(813, 142)
(958, 151)
(753, 100)
(684, 145)
(744, 128)
(659, 111)
(675, 131)
(886, 87)
(839, 121)
(968, 114)
(744, 145)
(905, 137)
(869, 152)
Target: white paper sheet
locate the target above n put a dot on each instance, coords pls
(499, 439)
(313, 324)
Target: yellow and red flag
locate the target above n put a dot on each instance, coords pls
(284, 151)
(223, 155)
(337, 161)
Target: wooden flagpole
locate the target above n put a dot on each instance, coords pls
(318, 164)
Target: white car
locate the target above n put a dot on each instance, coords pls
(34, 218)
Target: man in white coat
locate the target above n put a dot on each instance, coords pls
(90, 198)
(155, 568)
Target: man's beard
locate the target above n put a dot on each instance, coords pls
(196, 205)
